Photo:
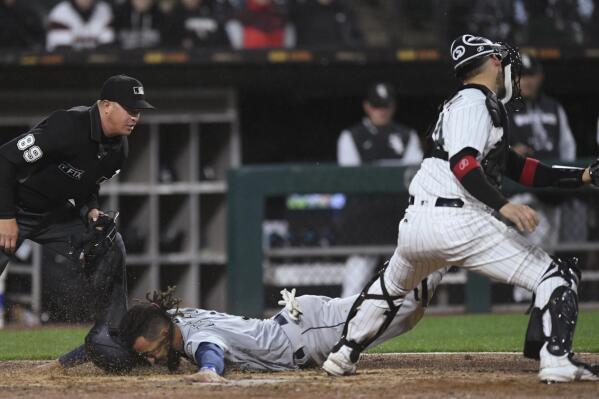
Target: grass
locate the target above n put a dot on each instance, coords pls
(463, 333)
(483, 333)
(39, 343)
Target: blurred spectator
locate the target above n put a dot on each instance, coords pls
(418, 21)
(376, 140)
(261, 24)
(541, 130)
(592, 25)
(554, 22)
(202, 27)
(323, 23)
(20, 26)
(79, 24)
(137, 23)
(170, 23)
(493, 18)
(376, 22)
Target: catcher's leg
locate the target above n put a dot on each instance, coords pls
(555, 283)
(413, 307)
(373, 311)
(552, 323)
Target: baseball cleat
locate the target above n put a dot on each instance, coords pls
(565, 369)
(338, 364)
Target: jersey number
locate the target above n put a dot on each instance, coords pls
(437, 135)
(31, 153)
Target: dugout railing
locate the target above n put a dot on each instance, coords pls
(249, 258)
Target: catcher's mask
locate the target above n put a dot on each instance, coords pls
(469, 51)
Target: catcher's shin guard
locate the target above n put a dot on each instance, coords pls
(358, 347)
(562, 306)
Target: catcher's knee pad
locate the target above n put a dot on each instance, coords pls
(107, 352)
(358, 347)
(562, 306)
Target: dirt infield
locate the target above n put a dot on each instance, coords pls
(458, 375)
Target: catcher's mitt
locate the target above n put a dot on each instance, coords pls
(594, 172)
(96, 241)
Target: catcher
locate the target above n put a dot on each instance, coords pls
(301, 335)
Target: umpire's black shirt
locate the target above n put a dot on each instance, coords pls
(62, 159)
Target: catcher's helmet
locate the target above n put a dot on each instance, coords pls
(469, 48)
(469, 51)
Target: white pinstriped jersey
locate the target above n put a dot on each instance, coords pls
(463, 122)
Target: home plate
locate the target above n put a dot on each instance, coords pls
(255, 381)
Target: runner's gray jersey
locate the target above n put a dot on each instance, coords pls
(323, 319)
(266, 345)
(463, 122)
(249, 343)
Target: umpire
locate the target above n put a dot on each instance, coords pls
(50, 179)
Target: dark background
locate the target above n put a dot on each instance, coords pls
(294, 113)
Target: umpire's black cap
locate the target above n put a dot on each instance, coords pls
(380, 95)
(530, 65)
(125, 90)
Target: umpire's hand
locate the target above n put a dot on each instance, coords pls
(9, 233)
(94, 214)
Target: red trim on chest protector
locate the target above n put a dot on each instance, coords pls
(466, 164)
(527, 177)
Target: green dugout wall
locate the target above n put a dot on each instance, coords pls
(248, 189)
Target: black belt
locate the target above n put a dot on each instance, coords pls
(445, 202)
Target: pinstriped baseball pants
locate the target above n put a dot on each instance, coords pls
(432, 237)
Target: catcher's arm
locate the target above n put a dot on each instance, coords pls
(532, 173)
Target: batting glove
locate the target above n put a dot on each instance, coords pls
(290, 304)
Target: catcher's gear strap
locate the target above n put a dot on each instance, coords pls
(358, 347)
(532, 173)
(560, 305)
(564, 268)
(467, 170)
(422, 294)
(496, 112)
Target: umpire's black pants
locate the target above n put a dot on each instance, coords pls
(54, 230)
